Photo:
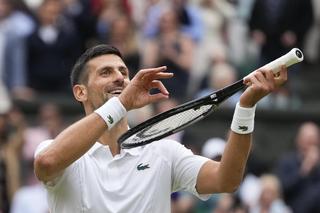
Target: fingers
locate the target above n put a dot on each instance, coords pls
(267, 79)
(157, 97)
(153, 73)
(159, 85)
(261, 82)
(137, 93)
(164, 94)
(282, 77)
(148, 78)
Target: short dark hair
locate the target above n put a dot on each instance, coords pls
(77, 74)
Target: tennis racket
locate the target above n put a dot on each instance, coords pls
(182, 116)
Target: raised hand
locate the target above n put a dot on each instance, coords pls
(137, 93)
(260, 83)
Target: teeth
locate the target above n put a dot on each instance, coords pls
(115, 92)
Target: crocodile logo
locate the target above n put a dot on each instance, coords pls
(243, 128)
(110, 119)
(142, 167)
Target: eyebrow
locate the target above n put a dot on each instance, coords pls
(107, 67)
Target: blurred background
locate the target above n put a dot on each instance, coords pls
(208, 44)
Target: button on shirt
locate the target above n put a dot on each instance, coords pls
(136, 180)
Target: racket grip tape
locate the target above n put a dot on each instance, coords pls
(292, 57)
(112, 111)
(243, 119)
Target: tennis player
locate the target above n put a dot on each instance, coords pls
(84, 170)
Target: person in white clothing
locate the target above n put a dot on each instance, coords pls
(84, 169)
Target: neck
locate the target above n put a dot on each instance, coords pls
(111, 137)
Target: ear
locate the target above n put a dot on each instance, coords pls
(80, 92)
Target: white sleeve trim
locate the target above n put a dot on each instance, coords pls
(186, 168)
(194, 191)
(41, 147)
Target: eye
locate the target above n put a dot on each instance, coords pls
(105, 72)
(124, 71)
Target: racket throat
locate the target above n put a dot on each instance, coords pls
(224, 93)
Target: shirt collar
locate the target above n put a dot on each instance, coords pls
(97, 146)
(134, 151)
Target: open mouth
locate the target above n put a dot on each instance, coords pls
(115, 92)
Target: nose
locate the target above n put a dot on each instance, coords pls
(118, 77)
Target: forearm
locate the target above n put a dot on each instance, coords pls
(234, 159)
(225, 176)
(69, 146)
(236, 153)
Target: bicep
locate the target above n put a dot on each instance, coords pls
(207, 180)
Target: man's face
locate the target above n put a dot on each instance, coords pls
(49, 12)
(307, 138)
(107, 77)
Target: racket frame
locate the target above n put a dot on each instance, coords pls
(213, 99)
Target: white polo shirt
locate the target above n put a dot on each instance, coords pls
(136, 180)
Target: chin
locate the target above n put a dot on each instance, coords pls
(114, 95)
(109, 96)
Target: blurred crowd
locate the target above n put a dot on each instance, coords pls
(207, 44)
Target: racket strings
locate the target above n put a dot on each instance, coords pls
(169, 124)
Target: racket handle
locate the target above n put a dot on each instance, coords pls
(292, 57)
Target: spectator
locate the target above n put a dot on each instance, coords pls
(172, 48)
(111, 9)
(224, 204)
(270, 200)
(84, 14)
(11, 140)
(220, 76)
(50, 124)
(15, 25)
(187, 15)
(312, 44)
(272, 26)
(5, 103)
(122, 34)
(30, 199)
(299, 172)
(51, 49)
(213, 47)
(243, 51)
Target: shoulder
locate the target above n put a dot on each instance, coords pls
(42, 146)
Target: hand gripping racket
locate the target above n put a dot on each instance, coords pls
(180, 117)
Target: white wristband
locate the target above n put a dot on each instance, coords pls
(112, 111)
(243, 120)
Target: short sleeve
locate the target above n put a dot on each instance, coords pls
(54, 183)
(186, 167)
(42, 146)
